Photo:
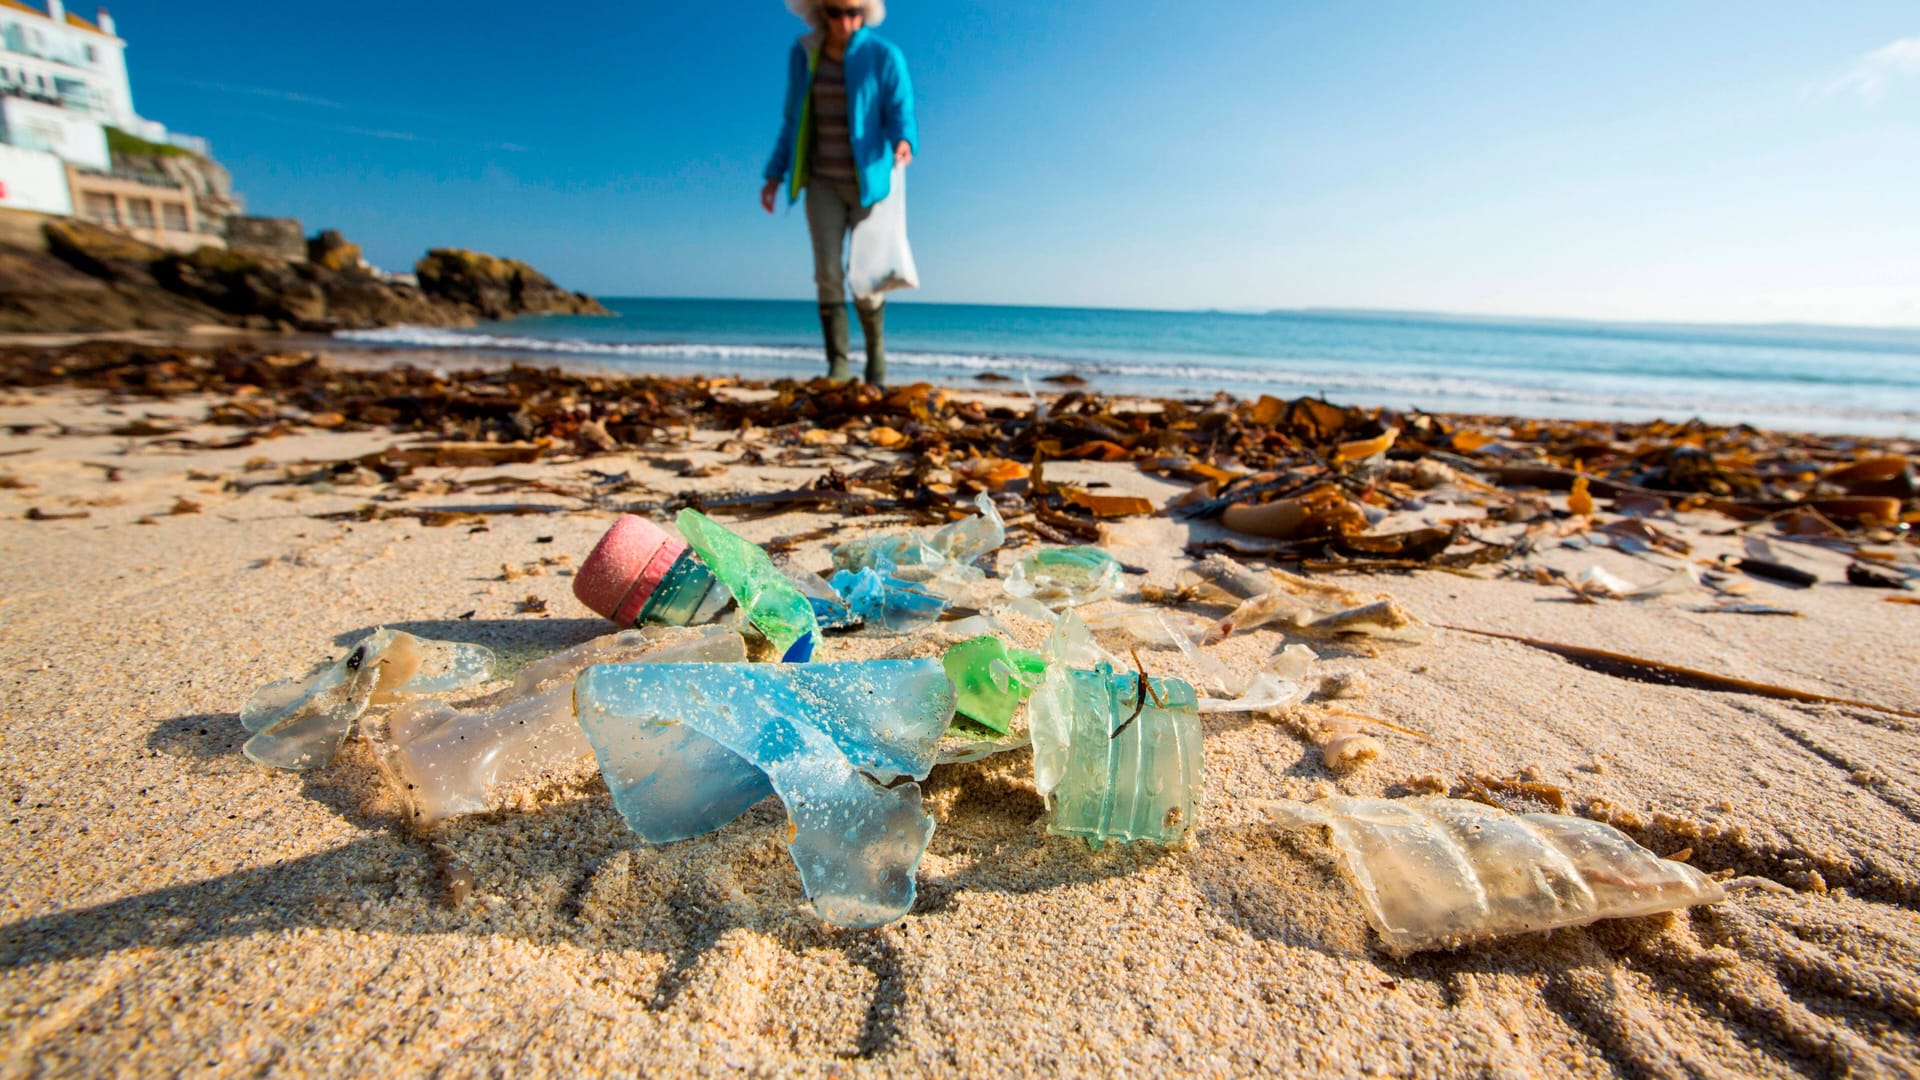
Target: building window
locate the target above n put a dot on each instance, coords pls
(98, 207)
(140, 212)
(92, 57)
(175, 216)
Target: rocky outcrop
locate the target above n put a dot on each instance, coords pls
(90, 278)
(497, 288)
(43, 293)
(331, 251)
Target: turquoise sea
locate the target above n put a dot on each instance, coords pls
(1808, 378)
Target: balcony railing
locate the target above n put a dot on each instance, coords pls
(148, 179)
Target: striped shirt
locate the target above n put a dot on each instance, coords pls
(833, 142)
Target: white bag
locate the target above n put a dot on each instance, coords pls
(881, 259)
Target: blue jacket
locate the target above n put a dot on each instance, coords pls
(879, 114)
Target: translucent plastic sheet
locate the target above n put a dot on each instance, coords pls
(1438, 873)
(685, 748)
(300, 723)
(444, 761)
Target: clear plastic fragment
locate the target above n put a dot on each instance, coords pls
(685, 748)
(1065, 577)
(444, 761)
(1261, 693)
(300, 723)
(829, 607)
(1292, 662)
(1438, 873)
(946, 553)
(1112, 766)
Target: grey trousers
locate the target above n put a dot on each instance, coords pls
(832, 212)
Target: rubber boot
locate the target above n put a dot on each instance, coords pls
(838, 336)
(873, 328)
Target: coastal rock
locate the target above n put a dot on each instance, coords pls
(330, 251)
(81, 277)
(102, 253)
(360, 301)
(497, 288)
(40, 293)
(258, 289)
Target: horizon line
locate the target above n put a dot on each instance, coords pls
(1349, 312)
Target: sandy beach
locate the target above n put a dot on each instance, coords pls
(168, 906)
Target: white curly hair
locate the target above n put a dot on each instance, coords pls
(810, 10)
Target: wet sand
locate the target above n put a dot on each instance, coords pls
(168, 906)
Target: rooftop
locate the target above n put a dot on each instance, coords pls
(72, 19)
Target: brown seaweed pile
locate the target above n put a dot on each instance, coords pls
(1302, 479)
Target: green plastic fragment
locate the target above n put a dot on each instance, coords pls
(772, 603)
(992, 679)
(1106, 777)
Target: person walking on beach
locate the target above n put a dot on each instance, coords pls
(848, 122)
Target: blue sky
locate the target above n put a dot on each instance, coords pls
(1744, 162)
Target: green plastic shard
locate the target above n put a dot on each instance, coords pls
(775, 607)
(1106, 777)
(991, 679)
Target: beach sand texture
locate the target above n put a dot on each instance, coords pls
(168, 906)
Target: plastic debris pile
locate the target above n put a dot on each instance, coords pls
(688, 732)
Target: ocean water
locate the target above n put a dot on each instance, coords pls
(1823, 379)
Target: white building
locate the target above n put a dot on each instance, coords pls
(63, 83)
(35, 181)
(68, 135)
(57, 58)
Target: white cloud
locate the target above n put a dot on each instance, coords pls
(1871, 74)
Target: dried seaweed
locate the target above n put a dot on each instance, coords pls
(1301, 470)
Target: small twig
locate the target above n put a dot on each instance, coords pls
(1142, 669)
(1141, 689)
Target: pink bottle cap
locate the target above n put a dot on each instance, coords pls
(625, 567)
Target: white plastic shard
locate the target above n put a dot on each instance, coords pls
(300, 723)
(685, 748)
(444, 761)
(1261, 693)
(1439, 873)
(1292, 662)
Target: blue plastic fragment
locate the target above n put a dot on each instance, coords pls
(885, 602)
(686, 748)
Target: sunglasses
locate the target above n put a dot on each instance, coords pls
(843, 12)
